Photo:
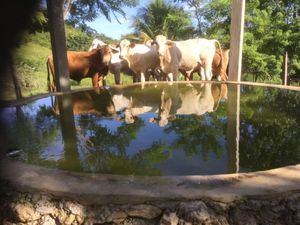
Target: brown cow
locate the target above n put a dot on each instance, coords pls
(92, 64)
(220, 64)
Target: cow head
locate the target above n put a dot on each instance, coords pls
(106, 54)
(124, 48)
(96, 44)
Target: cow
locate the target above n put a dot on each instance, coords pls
(117, 65)
(83, 64)
(187, 56)
(84, 102)
(142, 59)
(219, 67)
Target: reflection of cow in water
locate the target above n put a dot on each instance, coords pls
(83, 102)
(134, 103)
(193, 99)
(167, 101)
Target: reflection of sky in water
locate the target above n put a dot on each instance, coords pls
(55, 150)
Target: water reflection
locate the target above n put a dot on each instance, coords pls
(196, 128)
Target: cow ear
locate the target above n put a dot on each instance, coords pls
(113, 49)
(170, 44)
(132, 45)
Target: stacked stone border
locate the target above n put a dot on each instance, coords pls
(37, 195)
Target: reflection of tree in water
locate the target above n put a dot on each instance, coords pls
(104, 151)
(199, 133)
(269, 128)
(101, 137)
(33, 133)
(142, 163)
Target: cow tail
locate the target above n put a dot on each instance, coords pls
(221, 55)
(49, 84)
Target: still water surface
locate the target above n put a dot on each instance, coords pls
(179, 129)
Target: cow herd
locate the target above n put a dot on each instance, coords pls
(161, 58)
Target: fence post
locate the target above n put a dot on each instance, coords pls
(285, 77)
(58, 43)
(236, 40)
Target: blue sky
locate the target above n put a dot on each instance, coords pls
(114, 29)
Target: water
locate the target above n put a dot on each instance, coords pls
(179, 129)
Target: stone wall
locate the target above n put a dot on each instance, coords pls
(35, 208)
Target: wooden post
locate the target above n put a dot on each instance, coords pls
(285, 68)
(236, 40)
(58, 42)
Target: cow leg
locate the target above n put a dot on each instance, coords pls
(95, 80)
(117, 77)
(202, 73)
(143, 79)
(207, 71)
(103, 81)
(170, 77)
(175, 74)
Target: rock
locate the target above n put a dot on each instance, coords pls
(116, 216)
(69, 220)
(44, 207)
(143, 211)
(198, 213)
(296, 217)
(74, 208)
(99, 214)
(79, 219)
(35, 197)
(61, 216)
(47, 220)
(240, 217)
(169, 219)
(25, 212)
(138, 221)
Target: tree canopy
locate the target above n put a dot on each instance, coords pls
(88, 10)
(161, 17)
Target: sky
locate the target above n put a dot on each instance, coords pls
(114, 29)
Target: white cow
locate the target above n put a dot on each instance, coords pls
(188, 56)
(116, 64)
(141, 58)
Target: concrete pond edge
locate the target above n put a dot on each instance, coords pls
(118, 189)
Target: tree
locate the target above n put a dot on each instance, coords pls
(197, 8)
(88, 10)
(159, 17)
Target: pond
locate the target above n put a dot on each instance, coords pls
(161, 129)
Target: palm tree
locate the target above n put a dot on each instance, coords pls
(160, 17)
